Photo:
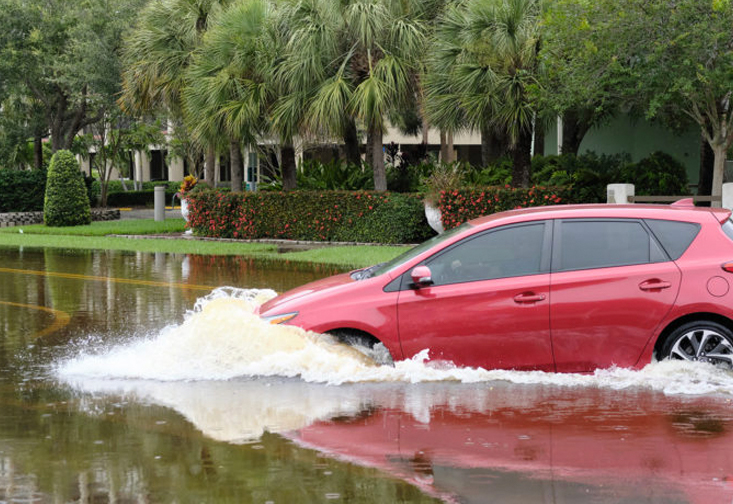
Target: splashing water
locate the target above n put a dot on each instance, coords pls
(222, 338)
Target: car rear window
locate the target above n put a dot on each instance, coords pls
(728, 228)
(675, 236)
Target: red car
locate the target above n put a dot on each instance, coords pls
(563, 288)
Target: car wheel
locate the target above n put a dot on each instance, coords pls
(366, 344)
(701, 342)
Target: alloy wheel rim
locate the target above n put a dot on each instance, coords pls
(703, 345)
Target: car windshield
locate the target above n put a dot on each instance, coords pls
(382, 268)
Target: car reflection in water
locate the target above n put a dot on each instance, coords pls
(489, 442)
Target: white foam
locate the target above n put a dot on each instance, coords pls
(222, 339)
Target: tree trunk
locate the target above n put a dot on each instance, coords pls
(374, 152)
(705, 181)
(103, 194)
(351, 143)
(447, 155)
(369, 154)
(235, 155)
(38, 152)
(522, 159)
(210, 166)
(573, 131)
(287, 165)
(492, 146)
(719, 150)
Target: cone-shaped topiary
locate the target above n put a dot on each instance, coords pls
(66, 203)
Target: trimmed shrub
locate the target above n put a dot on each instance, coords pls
(67, 202)
(460, 205)
(299, 215)
(658, 174)
(22, 191)
(588, 173)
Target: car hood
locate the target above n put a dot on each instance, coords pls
(325, 285)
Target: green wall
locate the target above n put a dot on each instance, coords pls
(639, 138)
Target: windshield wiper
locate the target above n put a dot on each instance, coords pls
(365, 273)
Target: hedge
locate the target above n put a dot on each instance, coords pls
(304, 215)
(117, 196)
(351, 216)
(137, 198)
(22, 191)
(460, 205)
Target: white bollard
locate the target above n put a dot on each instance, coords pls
(159, 201)
(619, 194)
(727, 196)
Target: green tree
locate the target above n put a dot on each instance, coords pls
(63, 56)
(484, 71)
(114, 139)
(661, 58)
(66, 203)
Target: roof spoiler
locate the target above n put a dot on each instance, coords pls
(722, 214)
(684, 203)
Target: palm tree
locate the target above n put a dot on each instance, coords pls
(482, 68)
(353, 59)
(157, 54)
(231, 82)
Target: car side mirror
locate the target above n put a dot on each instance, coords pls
(421, 276)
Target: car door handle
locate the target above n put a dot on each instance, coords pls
(528, 297)
(654, 285)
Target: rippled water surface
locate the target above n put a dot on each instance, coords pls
(128, 377)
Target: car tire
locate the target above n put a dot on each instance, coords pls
(700, 341)
(366, 344)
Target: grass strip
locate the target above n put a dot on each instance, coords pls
(103, 228)
(357, 256)
(81, 237)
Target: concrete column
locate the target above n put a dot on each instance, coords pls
(728, 196)
(559, 135)
(159, 201)
(175, 170)
(619, 193)
(138, 175)
(145, 172)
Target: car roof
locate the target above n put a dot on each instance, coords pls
(681, 211)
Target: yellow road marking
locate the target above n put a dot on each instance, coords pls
(60, 318)
(129, 281)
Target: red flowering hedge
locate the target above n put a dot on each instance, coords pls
(458, 206)
(306, 215)
(350, 216)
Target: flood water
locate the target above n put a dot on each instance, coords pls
(131, 377)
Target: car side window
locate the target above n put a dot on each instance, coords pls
(586, 244)
(507, 252)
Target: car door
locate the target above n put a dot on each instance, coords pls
(611, 286)
(488, 305)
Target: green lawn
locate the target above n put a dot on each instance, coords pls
(93, 237)
(103, 228)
